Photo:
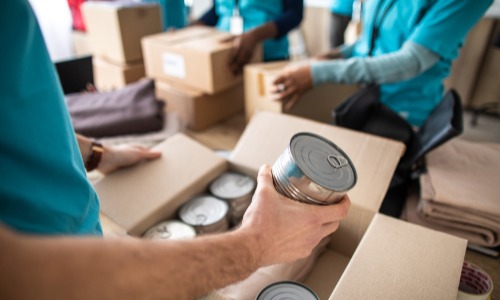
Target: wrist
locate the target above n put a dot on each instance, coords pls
(94, 157)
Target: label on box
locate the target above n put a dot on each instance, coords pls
(173, 65)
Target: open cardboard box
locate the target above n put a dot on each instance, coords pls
(195, 56)
(316, 104)
(371, 256)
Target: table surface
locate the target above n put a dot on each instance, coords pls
(225, 135)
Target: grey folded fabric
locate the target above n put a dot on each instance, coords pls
(460, 193)
(131, 110)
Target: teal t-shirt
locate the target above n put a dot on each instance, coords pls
(439, 25)
(342, 7)
(43, 184)
(254, 14)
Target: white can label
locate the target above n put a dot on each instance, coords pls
(174, 65)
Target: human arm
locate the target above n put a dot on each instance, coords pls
(246, 43)
(274, 230)
(408, 62)
(115, 157)
(209, 18)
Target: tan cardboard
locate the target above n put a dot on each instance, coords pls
(81, 43)
(110, 76)
(199, 110)
(115, 29)
(371, 256)
(195, 56)
(315, 104)
(136, 198)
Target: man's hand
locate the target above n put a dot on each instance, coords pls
(115, 157)
(291, 84)
(243, 49)
(286, 230)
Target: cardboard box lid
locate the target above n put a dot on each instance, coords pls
(171, 38)
(399, 260)
(137, 197)
(375, 158)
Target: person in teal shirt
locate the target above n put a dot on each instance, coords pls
(267, 21)
(49, 212)
(341, 15)
(413, 46)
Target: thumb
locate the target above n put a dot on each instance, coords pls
(265, 176)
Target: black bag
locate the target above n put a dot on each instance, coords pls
(131, 110)
(364, 112)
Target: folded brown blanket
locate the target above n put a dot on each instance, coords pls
(131, 110)
(460, 193)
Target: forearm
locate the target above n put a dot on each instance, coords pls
(90, 268)
(265, 31)
(406, 63)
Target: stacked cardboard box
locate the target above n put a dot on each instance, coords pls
(316, 104)
(371, 256)
(190, 68)
(114, 32)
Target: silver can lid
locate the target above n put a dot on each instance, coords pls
(289, 290)
(232, 185)
(170, 230)
(203, 210)
(323, 161)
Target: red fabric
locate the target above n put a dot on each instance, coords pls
(76, 14)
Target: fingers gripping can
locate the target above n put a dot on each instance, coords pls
(313, 170)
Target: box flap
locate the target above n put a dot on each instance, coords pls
(179, 36)
(136, 197)
(399, 260)
(326, 273)
(375, 158)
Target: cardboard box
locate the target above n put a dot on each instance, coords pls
(81, 43)
(371, 256)
(110, 76)
(115, 29)
(198, 110)
(194, 56)
(316, 104)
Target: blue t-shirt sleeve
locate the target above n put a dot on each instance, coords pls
(293, 11)
(210, 17)
(342, 7)
(445, 24)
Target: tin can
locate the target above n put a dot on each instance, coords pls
(206, 214)
(170, 230)
(313, 170)
(237, 189)
(289, 290)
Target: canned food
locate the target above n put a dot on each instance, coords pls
(314, 170)
(206, 214)
(289, 290)
(170, 230)
(237, 190)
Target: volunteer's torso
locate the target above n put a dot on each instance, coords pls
(255, 13)
(414, 98)
(43, 184)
